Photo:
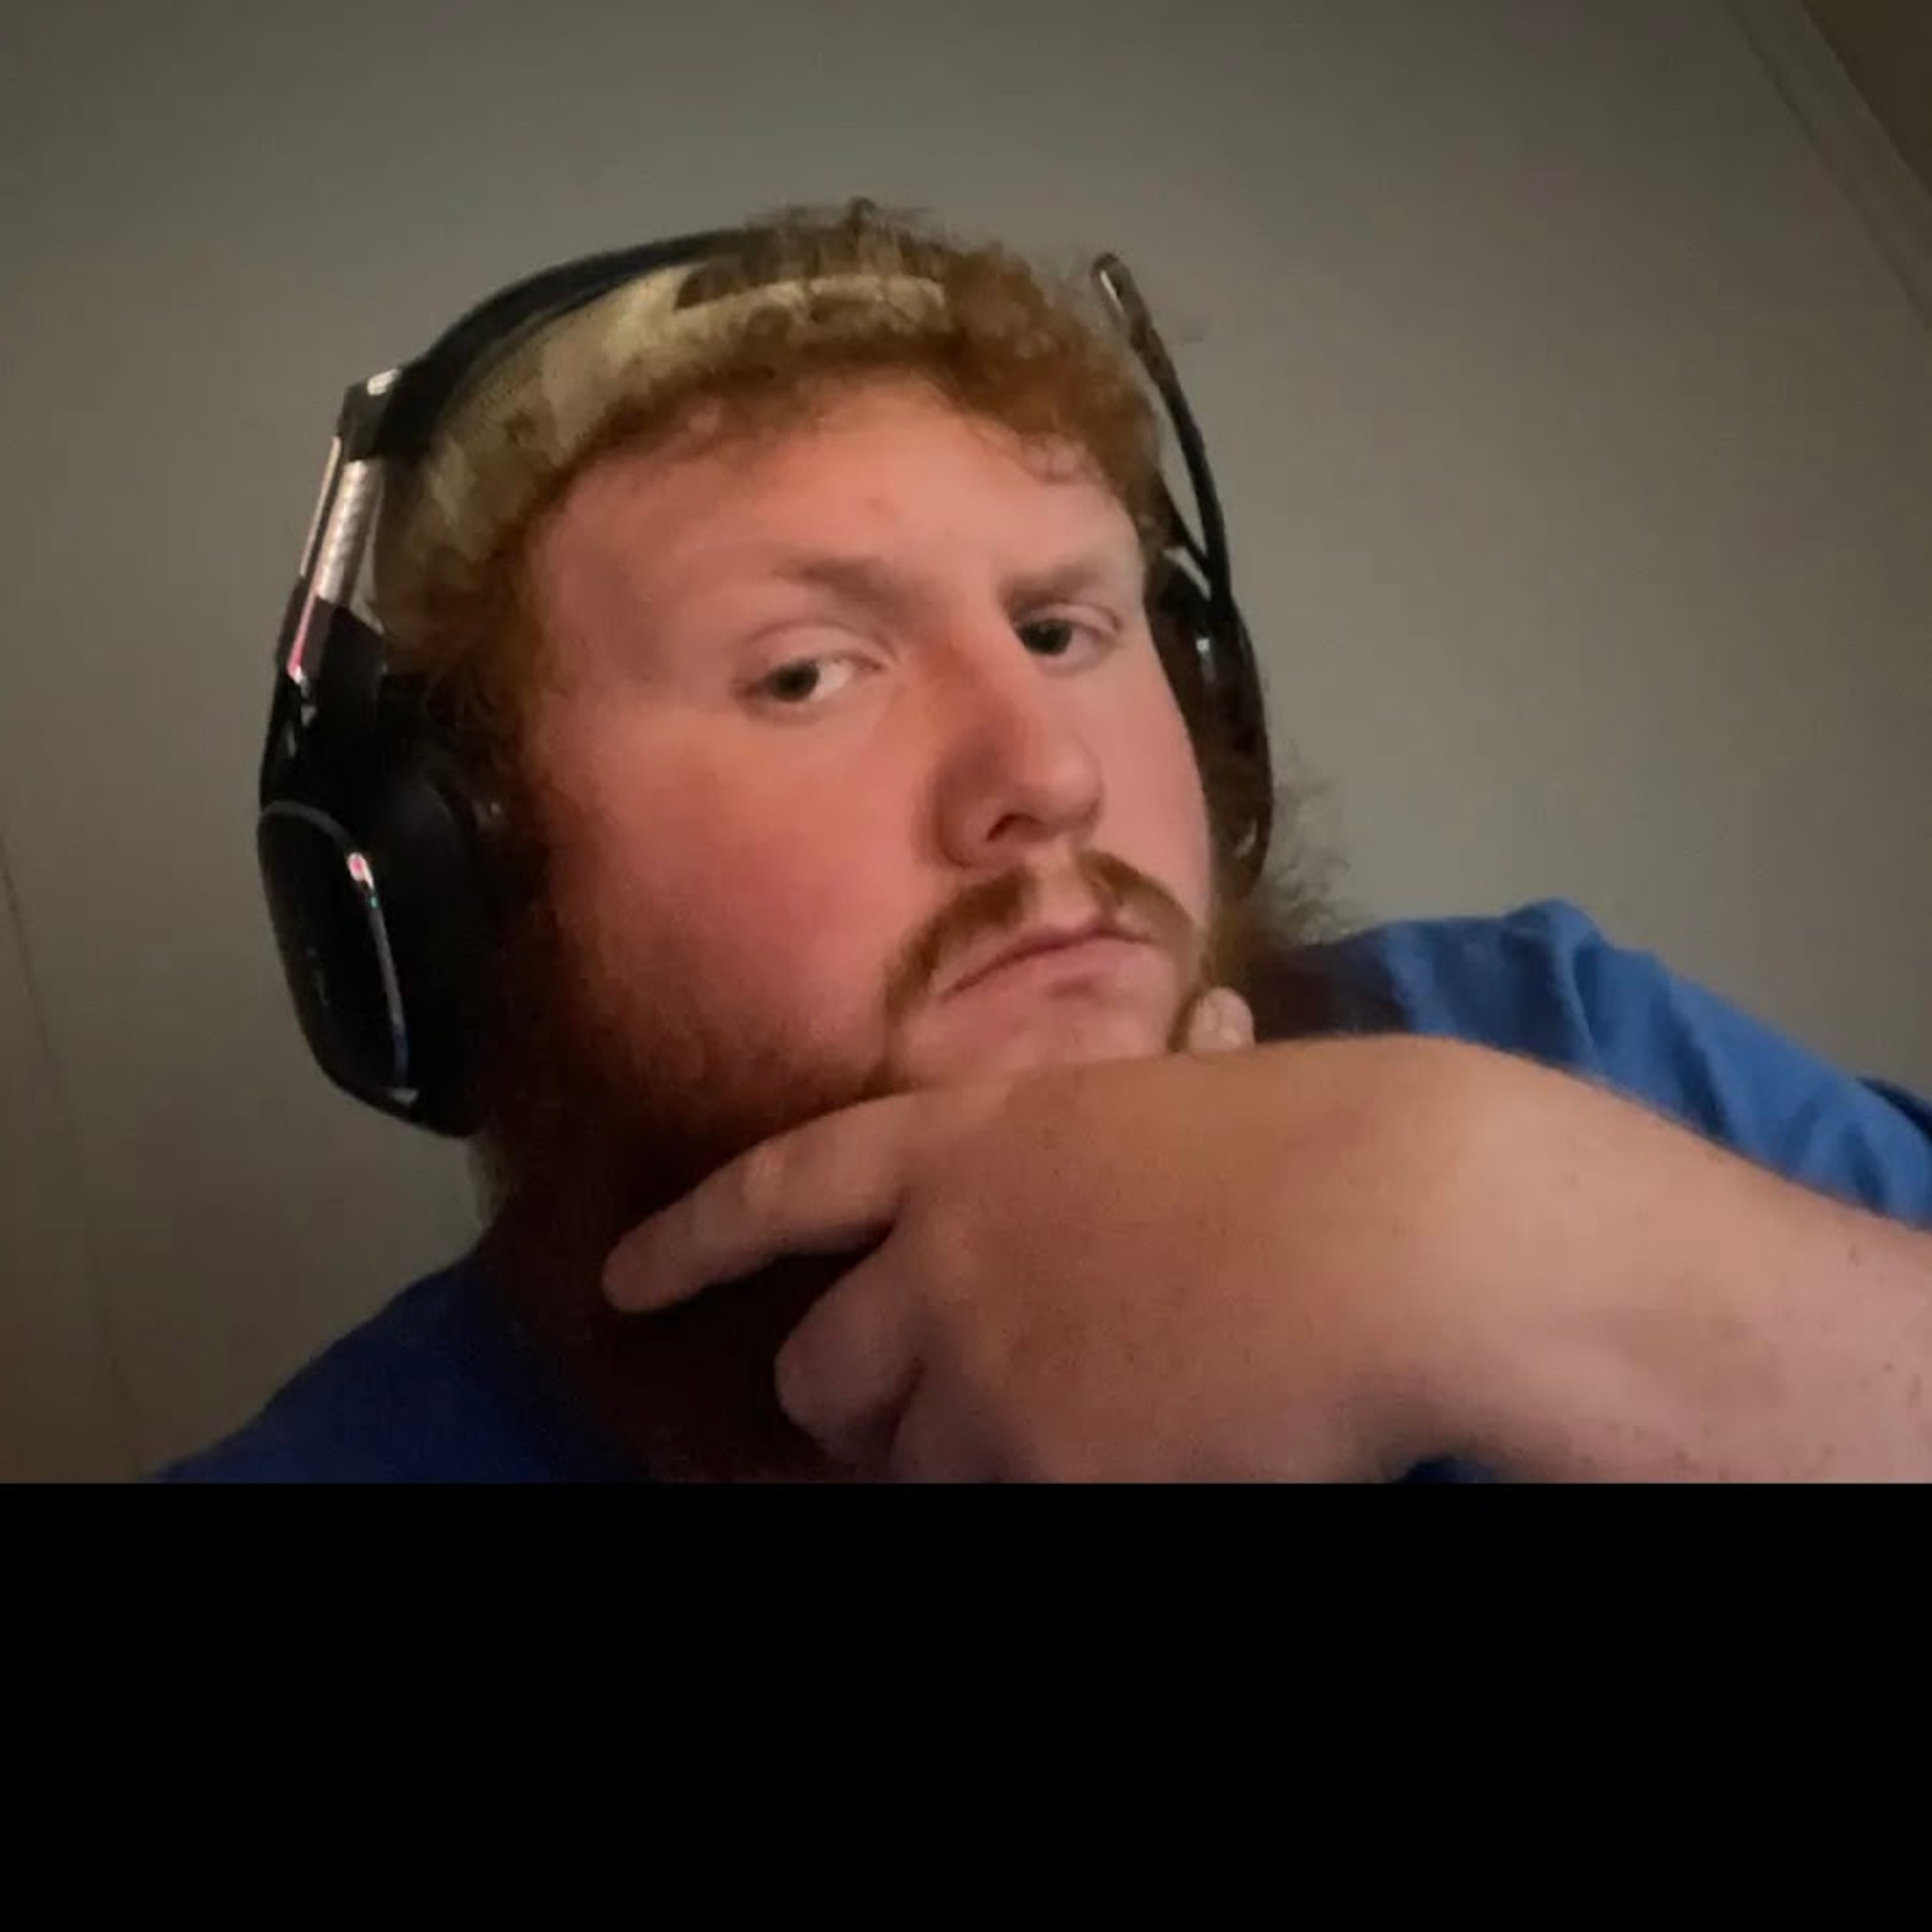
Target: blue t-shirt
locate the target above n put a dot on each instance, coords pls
(438, 1386)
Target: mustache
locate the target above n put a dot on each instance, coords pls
(1120, 892)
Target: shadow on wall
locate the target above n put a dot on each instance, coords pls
(1885, 48)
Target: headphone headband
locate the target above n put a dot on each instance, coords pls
(425, 389)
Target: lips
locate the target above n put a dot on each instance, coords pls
(1036, 942)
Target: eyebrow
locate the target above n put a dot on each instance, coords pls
(876, 581)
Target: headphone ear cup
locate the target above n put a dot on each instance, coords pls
(1178, 613)
(429, 850)
(1210, 664)
(378, 869)
(330, 932)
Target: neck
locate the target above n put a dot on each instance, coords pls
(688, 1395)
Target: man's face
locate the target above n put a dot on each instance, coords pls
(830, 720)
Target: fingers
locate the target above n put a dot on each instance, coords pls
(847, 1370)
(935, 1443)
(1221, 1022)
(834, 1184)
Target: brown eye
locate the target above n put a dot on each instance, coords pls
(1058, 638)
(792, 684)
(805, 682)
(1049, 637)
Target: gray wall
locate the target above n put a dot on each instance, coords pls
(1885, 46)
(1577, 441)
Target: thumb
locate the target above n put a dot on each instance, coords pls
(1221, 1022)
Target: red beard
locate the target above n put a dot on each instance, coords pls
(590, 1134)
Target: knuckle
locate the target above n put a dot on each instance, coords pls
(762, 1179)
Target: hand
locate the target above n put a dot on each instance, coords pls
(1329, 1260)
(1199, 1266)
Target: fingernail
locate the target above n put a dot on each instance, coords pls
(1233, 1025)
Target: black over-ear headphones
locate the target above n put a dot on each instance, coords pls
(381, 861)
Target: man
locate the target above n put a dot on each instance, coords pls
(864, 1063)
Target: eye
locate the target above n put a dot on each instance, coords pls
(805, 681)
(1061, 638)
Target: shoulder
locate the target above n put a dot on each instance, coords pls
(1545, 981)
(436, 1387)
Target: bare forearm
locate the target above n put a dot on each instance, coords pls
(1710, 1320)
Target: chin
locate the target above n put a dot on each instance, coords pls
(1064, 1037)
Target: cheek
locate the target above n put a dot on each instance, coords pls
(1156, 813)
(753, 914)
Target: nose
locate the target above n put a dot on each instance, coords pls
(1016, 772)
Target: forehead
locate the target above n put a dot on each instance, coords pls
(890, 467)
